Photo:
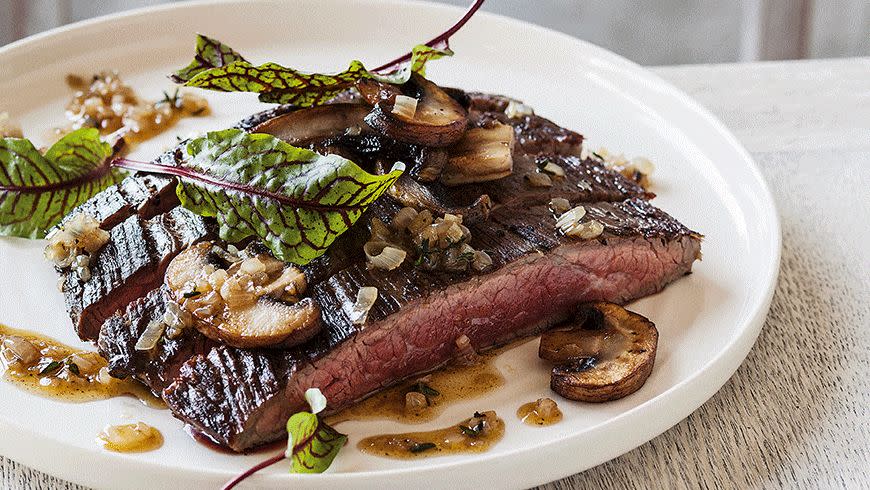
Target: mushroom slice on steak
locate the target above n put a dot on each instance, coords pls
(411, 193)
(483, 154)
(437, 120)
(606, 353)
(429, 165)
(373, 91)
(315, 124)
(246, 300)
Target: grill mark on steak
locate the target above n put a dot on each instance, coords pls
(156, 368)
(144, 195)
(130, 265)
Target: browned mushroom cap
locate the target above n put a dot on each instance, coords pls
(373, 91)
(437, 121)
(245, 302)
(429, 166)
(266, 323)
(606, 354)
(315, 124)
(483, 154)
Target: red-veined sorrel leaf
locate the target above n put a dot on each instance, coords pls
(312, 445)
(210, 53)
(294, 200)
(219, 67)
(37, 190)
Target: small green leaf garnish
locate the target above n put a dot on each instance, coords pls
(477, 429)
(312, 445)
(172, 100)
(191, 294)
(422, 446)
(219, 67)
(37, 190)
(470, 431)
(50, 368)
(294, 200)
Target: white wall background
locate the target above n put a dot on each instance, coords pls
(654, 32)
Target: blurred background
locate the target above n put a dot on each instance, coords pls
(658, 32)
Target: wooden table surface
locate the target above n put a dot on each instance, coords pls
(795, 414)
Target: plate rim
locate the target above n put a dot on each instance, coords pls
(724, 363)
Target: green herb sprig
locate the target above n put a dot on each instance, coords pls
(422, 447)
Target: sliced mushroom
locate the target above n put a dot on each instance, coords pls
(606, 353)
(373, 91)
(429, 165)
(315, 124)
(483, 154)
(266, 323)
(438, 120)
(411, 193)
(244, 302)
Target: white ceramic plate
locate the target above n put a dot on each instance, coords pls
(708, 321)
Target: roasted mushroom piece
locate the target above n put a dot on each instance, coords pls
(423, 114)
(373, 91)
(604, 354)
(315, 124)
(246, 300)
(412, 194)
(483, 154)
(429, 165)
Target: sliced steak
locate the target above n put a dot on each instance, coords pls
(242, 398)
(129, 266)
(535, 134)
(144, 195)
(157, 368)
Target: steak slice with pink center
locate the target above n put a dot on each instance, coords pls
(241, 398)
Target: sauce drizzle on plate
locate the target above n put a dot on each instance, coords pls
(46, 367)
(474, 435)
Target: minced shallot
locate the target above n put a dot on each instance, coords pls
(365, 299)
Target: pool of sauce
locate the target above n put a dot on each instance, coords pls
(52, 375)
(457, 439)
(154, 117)
(131, 438)
(452, 383)
(532, 414)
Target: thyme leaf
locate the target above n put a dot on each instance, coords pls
(73, 367)
(428, 391)
(422, 446)
(50, 368)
